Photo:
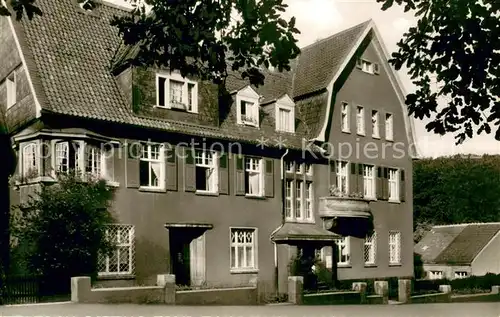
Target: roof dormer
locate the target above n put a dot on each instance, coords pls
(247, 107)
(285, 114)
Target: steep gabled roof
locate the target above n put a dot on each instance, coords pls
(73, 54)
(455, 244)
(319, 62)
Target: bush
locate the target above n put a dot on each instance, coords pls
(61, 230)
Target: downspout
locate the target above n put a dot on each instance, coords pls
(276, 276)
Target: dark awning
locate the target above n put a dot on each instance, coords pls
(303, 233)
(187, 232)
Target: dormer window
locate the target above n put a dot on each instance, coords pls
(175, 92)
(247, 104)
(285, 114)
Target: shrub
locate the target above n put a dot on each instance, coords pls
(61, 229)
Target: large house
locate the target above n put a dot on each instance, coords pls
(461, 250)
(215, 196)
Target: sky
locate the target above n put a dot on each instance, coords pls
(317, 19)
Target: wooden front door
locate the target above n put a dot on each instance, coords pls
(197, 261)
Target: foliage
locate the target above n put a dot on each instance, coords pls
(302, 266)
(418, 266)
(457, 189)
(203, 39)
(455, 42)
(337, 192)
(62, 227)
(420, 229)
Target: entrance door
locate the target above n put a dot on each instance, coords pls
(197, 261)
(179, 253)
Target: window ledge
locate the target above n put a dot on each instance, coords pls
(249, 124)
(291, 220)
(115, 277)
(152, 190)
(376, 137)
(255, 197)
(244, 271)
(346, 131)
(285, 132)
(370, 265)
(36, 180)
(175, 109)
(390, 140)
(361, 133)
(393, 201)
(371, 198)
(395, 264)
(344, 266)
(205, 193)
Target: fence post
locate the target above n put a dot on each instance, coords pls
(404, 291)
(382, 288)
(80, 289)
(495, 289)
(296, 289)
(168, 283)
(361, 287)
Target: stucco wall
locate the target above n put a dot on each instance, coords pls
(375, 92)
(149, 211)
(488, 260)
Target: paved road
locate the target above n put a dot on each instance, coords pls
(417, 310)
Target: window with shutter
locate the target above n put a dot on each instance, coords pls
(269, 178)
(342, 176)
(223, 174)
(369, 181)
(189, 170)
(152, 166)
(402, 185)
(379, 187)
(171, 169)
(207, 173)
(254, 180)
(393, 186)
(353, 179)
(239, 178)
(133, 165)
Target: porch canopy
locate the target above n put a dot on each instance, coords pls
(187, 232)
(299, 234)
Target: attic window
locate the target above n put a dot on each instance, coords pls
(175, 92)
(86, 5)
(367, 66)
(247, 104)
(285, 115)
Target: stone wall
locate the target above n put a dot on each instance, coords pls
(163, 293)
(231, 296)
